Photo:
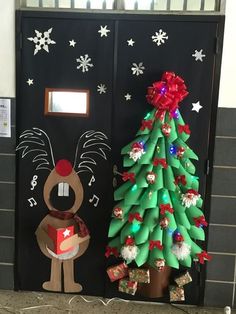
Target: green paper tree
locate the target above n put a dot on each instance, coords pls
(158, 216)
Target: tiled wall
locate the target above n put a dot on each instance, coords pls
(7, 205)
(221, 271)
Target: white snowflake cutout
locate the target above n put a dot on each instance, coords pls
(128, 97)
(159, 37)
(84, 63)
(198, 55)
(30, 81)
(42, 40)
(101, 89)
(103, 31)
(137, 69)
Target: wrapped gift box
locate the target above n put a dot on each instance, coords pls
(176, 293)
(128, 286)
(139, 275)
(117, 272)
(183, 279)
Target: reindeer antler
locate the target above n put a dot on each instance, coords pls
(94, 144)
(36, 142)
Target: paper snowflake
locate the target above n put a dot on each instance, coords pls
(103, 31)
(42, 40)
(101, 89)
(137, 69)
(85, 63)
(159, 37)
(198, 55)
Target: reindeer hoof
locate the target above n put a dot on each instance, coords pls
(73, 287)
(51, 286)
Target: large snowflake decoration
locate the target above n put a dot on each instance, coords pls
(101, 89)
(159, 37)
(42, 40)
(198, 55)
(84, 63)
(137, 69)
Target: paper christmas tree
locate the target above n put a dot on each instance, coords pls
(158, 217)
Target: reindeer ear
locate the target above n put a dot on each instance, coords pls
(36, 143)
(90, 145)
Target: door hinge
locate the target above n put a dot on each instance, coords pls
(207, 167)
(217, 45)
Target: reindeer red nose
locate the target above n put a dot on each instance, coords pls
(63, 167)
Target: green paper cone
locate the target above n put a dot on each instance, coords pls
(142, 235)
(176, 201)
(143, 254)
(159, 183)
(147, 158)
(199, 202)
(197, 233)
(115, 243)
(192, 212)
(190, 154)
(195, 183)
(172, 160)
(120, 193)
(156, 133)
(173, 133)
(115, 226)
(128, 162)
(182, 219)
(132, 197)
(170, 258)
(149, 199)
(181, 171)
(151, 217)
(154, 255)
(188, 165)
(185, 234)
(172, 221)
(164, 197)
(157, 234)
(160, 151)
(195, 249)
(169, 179)
(141, 180)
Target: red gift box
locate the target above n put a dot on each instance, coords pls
(58, 236)
(117, 272)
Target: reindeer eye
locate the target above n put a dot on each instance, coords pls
(62, 197)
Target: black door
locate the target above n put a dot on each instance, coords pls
(115, 58)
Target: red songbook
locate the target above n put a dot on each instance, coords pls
(58, 236)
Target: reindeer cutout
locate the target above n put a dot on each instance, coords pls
(62, 235)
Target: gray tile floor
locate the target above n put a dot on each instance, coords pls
(34, 302)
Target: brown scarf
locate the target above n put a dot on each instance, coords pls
(83, 230)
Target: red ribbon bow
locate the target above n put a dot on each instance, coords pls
(110, 251)
(160, 161)
(184, 128)
(167, 93)
(203, 256)
(180, 179)
(166, 207)
(135, 216)
(128, 176)
(155, 244)
(200, 221)
(146, 124)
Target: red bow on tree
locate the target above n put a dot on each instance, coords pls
(157, 244)
(160, 114)
(184, 128)
(167, 93)
(146, 124)
(135, 216)
(110, 251)
(203, 256)
(128, 176)
(160, 161)
(166, 207)
(200, 221)
(180, 179)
